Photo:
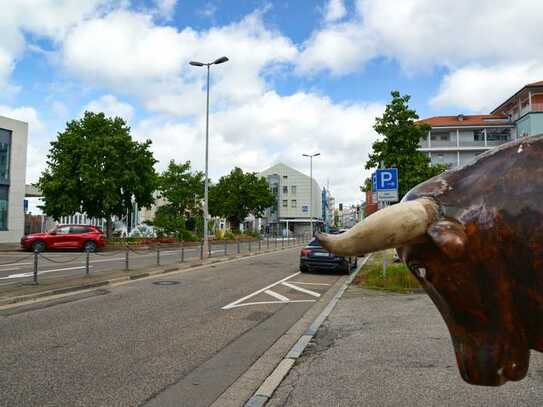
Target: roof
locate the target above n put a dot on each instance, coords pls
(530, 85)
(467, 120)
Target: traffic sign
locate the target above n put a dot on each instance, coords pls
(386, 179)
(373, 182)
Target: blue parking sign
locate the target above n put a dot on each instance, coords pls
(386, 178)
(373, 182)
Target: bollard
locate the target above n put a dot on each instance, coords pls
(249, 245)
(282, 242)
(225, 248)
(259, 244)
(182, 252)
(276, 241)
(202, 250)
(158, 255)
(209, 249)
(237, 243)
(87, 263)
(36, 254)
(268, 242)
(126, 259)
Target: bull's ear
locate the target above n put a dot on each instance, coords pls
(450, 237)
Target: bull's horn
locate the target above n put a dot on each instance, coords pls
(390, 227)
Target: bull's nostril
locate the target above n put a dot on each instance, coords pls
(421, 272)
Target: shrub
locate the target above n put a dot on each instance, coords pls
(229, 235)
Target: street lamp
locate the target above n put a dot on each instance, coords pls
(311, 187)
(205, 248)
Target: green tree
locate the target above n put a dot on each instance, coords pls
(182, 191)
(399, 145)
(239, 194)
(95, 167)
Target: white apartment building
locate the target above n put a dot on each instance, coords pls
(298, 199)
(454, 140)
(13, 144)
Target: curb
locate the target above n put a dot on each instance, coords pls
(272, 382)
(7, 302)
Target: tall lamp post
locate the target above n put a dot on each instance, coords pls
(311, 187)
(205, 248)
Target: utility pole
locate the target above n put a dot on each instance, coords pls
(311, 188)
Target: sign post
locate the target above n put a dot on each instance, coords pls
(385, 182)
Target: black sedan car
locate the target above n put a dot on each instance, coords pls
(313, 257)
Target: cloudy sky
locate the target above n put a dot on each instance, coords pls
(304, 76)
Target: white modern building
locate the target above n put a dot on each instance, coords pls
(454, 140)
(13, 144)
(298, 199)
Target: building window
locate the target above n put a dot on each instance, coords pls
(274, 190)
(293, 190)
(285, 203)
(285, 189)
(5, 144)
(4, 200)
(285, 177)
(293, 203)
(478, 135)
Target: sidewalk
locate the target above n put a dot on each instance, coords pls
(381, 349)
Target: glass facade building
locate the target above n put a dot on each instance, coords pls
(5, 150)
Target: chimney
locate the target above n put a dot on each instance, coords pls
(460, 117)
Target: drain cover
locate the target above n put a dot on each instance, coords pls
(166, 282)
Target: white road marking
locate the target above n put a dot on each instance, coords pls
(304, 283)
(303, 290)
(30, 274)
(277, 295)
(268, 302)
(233, 304)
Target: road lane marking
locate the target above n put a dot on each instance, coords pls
(30, 274)
(268, 302)
(11, 269)
(233, 304)
(11, 264)
(277, 295)
(303, 290)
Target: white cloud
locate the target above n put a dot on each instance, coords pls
(25, 114)
(130, 53)
(275, 128)
(335, 10)
(425, 33)
(482, 88)
(165, 8)
(44, 18)
(112, 107)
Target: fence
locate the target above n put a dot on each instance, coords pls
(132, 258)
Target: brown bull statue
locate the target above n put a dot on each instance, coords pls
(473, 238)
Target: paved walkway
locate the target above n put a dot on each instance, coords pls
(379, 349)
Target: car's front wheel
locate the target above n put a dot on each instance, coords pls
(39, 246)
(90, 246)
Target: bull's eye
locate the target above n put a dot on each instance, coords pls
(421, 272)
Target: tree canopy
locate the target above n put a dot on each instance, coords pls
(95, 167)
(239, 194)
(399, 145)
(183, 192)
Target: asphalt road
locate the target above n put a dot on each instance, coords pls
(17, 267)
(181, 342)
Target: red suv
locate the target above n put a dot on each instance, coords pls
(82, 237)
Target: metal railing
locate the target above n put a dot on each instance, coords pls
(176, 252)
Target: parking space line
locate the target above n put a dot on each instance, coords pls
(303, 290)
(304, 283)
(277, 295)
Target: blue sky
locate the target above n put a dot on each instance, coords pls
(303, 76)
